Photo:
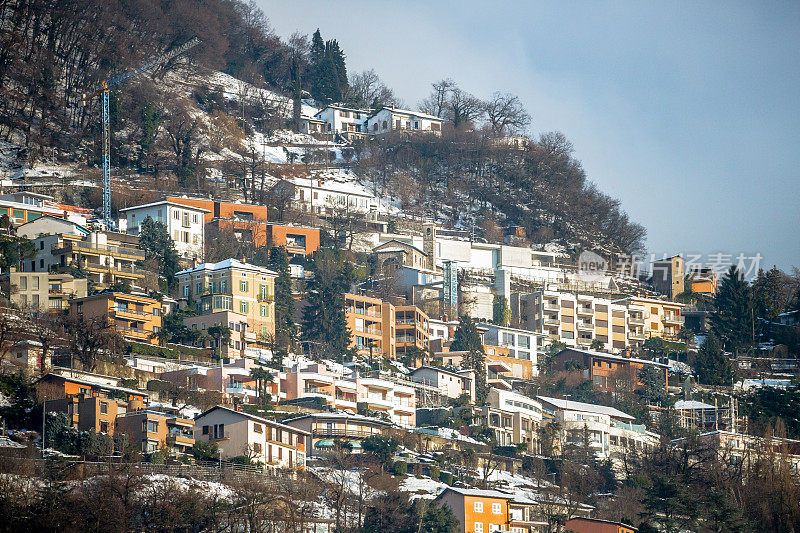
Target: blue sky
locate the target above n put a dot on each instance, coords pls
(688, 112)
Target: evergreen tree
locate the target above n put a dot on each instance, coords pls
(324, 317)
(159, 249)
(733, 322)
(316, 66)
(338, 70)
(501, 313)
(467, 339)
(711, 365)
(284, 302)
(768, 298)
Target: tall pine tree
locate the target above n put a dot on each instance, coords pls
(324, 321)
(711, 364)
(733, 322)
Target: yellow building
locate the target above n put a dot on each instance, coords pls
(136, 318)
(649, 317)
(246, 291)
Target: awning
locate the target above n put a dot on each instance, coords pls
(324, 443)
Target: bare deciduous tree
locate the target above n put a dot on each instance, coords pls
(506, 114)
(367, 90)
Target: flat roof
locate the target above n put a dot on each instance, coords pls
(569, 405)
(340, 416)
(613, 357)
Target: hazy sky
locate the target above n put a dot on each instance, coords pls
(687, 112)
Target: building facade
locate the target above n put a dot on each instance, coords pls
(243, 289)
(136, 318)
(185, 225)
(264, 441)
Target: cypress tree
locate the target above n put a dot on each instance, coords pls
(284, 303)
(467, 339)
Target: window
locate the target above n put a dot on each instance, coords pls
(199, 287)
(478, 506)
(244, 308)
(35, 279)
(478, 525)
(104, 408)
(186, 290)
(264, 292)
(23, 283)
(243, 286)
(496, 508)
(194, 218)
(152, 426)
(257, 447)
(258, 428)
(264, 309)
(186, 220)
(104, 427)
(176, 214)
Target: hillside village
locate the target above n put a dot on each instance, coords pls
(318, 314)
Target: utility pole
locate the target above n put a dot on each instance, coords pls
(44, 422)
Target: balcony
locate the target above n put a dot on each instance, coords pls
(380, 404)
(636, 320)
(123, 252)
(338, 432)
(636, 336)
(127, 312)
(672, 319)
(552, 306)
(552, 322)
(130, 272)
(136, 333)
(585, 311)
(585, 326)
(583, 341)
(403, 408)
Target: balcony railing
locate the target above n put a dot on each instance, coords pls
(636, 320)
(105, 249)
(338, 432)
(552, 322)
(674, 319)
(129, 311)
(552, 307)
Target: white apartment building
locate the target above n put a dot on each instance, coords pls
(450, 384)
(397, 402)
(391, 119)
(522, 344)
(327, 196)
(520, 417)
(185, 224)
(612, 433)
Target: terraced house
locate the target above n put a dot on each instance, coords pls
(235, 294)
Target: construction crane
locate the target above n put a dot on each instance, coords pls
(105, 88)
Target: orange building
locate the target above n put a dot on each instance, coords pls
(602, 368)
(478, 511)
(136, 318)
(412, 329)
(250, 223)
(371, 322)
(153, 431)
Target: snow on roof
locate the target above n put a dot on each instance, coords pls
(692, 404)
(569, 405)
(419, 114)
(480, 493)
(614, 357)
(167, 202)
(341, 416)
(228, 263)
